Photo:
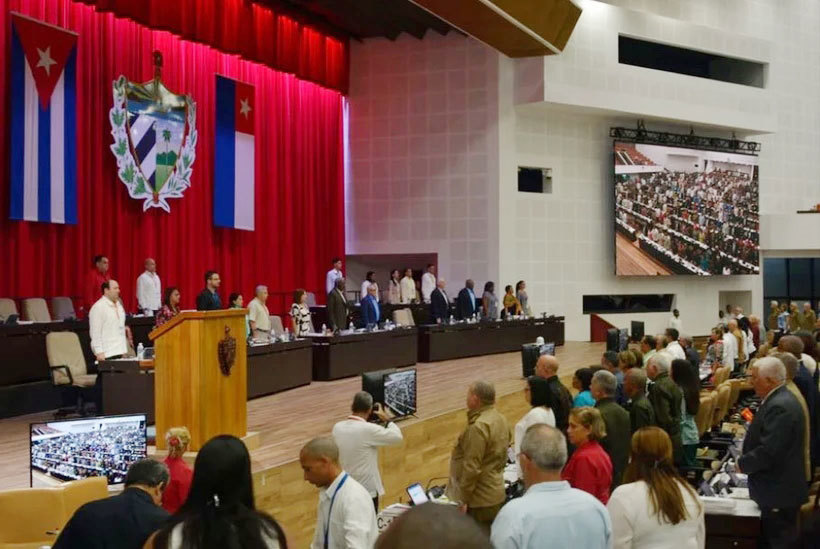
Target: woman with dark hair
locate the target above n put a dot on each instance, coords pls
(655, 507)
(537, 394)
(581, 381)
(170, 306)
(684, 376)
(489, 301)
(748, 338)
(235, 301)
(300, 314)
(394, 288)
(220, 509)
(511, 305)
(521, 295)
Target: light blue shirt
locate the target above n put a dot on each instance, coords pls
(584, 398)
(552, 514)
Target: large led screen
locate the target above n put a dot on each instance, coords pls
(685, 211)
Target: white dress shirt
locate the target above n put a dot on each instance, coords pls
(149, 291)
(408, 289)
(428, 284)
(676, 323)
(330, 280)
(367, 284)
(675, 350)
(352, 520)
(538, 414)
(729, 350)
(106, 324)
(635, 524)
(358, 441)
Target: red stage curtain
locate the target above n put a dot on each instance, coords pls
(299, 171)
(253, 31)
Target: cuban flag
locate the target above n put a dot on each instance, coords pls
(234, 155)
(43, 147)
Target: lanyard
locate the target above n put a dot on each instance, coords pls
(330, 509)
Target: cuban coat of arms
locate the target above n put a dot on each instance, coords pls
(155, 136)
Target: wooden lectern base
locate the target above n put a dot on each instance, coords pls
(253, 440)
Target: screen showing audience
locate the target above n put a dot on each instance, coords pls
(400, 392)
(62, 451)
(685, 211)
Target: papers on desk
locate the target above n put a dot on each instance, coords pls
(730, 506)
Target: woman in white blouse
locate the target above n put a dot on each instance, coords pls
(537, 393)
(655, 508)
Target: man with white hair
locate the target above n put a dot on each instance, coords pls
(729, 347)
(774, 311)
(773, 455)
(666, 396)
(618, 425)
(809, 318)
(258, 314)
(550, 509)
(439, 303)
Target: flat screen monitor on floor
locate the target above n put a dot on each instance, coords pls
(400, 392)
(66, 450)
(373, 383)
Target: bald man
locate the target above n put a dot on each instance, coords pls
(433, 525)
(345, 515)
(149, 289)
(547, 367)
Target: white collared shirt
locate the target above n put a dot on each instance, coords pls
(674, 348)
(408, 289)
(106, 324)
(428, 284)
(330, 280)
(149, 291)
(358, 441)
(352, 523)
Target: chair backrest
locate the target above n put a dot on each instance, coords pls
(703, 418)
(721, 375)
(29, 515)
(276, 325)
(734, 395)
(722, 404)
(63, 348)
(35, 309)
(311, 299)
(403, 317)
(7, 307)
(79, 492)
(63, 308)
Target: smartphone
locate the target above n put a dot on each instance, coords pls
(417, 495)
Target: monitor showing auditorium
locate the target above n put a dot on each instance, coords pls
(685, 211)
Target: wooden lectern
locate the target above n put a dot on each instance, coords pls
(200, 375)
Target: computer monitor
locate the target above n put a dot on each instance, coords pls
(637, 330)
(547, 349)
(612, 340)
(66, 450)
(400, 392)
(373, 383)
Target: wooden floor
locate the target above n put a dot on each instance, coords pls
(287, 420)
(631, 260)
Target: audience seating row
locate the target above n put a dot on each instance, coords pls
(33, 517)
(36, 309)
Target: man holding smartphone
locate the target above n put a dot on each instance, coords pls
(359, 441)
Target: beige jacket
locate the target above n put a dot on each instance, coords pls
(478, 460)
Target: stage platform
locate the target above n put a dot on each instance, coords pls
(285, 421)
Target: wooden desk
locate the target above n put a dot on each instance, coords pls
(279, 366)
(341, 356)
(126, 387)
(449, 341)
(732, 531)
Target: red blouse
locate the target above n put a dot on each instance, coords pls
(590, 469)
(176, 492)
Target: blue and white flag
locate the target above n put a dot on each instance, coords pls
(43, 147)
(234, 173)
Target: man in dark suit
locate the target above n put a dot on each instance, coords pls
(123, 521)
(773, 455)
(641, 413)
(466, 302)
(618, 428)
(561, 398)
(439, 303)
(337, 306)
(666, 396)
(370, 307)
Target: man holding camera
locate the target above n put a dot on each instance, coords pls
(359, 441)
